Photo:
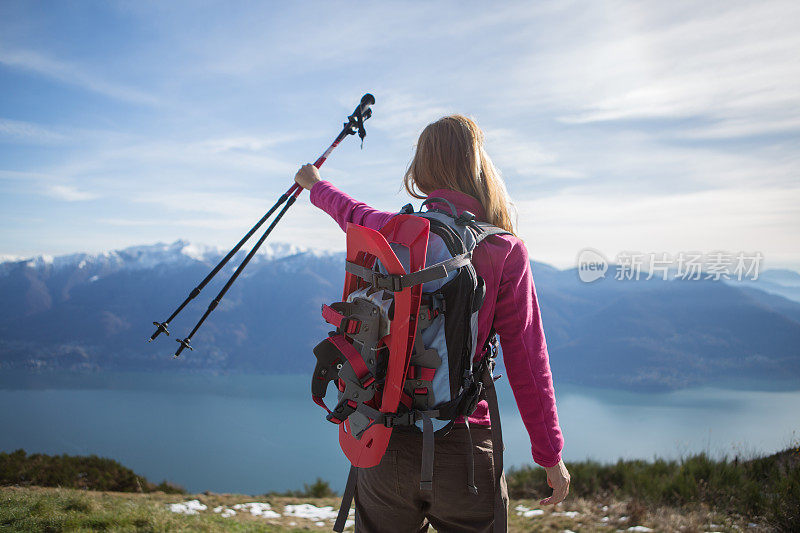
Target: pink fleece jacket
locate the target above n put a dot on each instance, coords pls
(502, 261)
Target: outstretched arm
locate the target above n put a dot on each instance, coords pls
(341, 207)
(519, 324)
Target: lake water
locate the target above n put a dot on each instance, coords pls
(253, 434)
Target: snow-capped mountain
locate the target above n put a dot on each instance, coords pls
(88, 312)
(152, 255)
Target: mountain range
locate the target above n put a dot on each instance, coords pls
(90, 313)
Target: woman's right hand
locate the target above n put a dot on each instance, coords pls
(558, 479)
(307, 176)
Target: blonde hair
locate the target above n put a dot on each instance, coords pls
(450, 155)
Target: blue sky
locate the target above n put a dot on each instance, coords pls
(648, 126)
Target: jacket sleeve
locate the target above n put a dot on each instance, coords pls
(343, 209)
(519, 325)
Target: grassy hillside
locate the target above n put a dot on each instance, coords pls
(765, 488)
(78, 472)
(694, 494)
(55, 510)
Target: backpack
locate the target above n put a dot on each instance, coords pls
(405, 339)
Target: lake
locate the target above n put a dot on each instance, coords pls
(252, 434)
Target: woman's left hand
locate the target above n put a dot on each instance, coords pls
(558, 479)
(307, 176)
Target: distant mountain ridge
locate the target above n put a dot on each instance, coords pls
(149, 256)
(91, 312)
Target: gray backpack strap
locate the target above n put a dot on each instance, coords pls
(347, 499)
(437, 271)
(485, 229)
(426, 473)
(500, 510)
(395, 283)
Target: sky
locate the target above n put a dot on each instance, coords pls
(648, 126)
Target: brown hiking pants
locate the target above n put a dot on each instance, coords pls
(388, 497)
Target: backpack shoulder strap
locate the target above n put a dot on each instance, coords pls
(484, 229)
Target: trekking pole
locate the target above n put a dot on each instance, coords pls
(354, 124)
(161, 327)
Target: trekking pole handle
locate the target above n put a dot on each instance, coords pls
(363, 107)
(362, 110)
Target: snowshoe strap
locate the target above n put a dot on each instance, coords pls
(396, 282)
(331, 354)
(355, 359)
(347, 500)
(343, 323)
(409, 418)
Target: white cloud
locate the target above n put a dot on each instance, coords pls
(736, 219)
(731, 63)
(517, 152)
(71, 74)
(585, 105)
(245, 143)
(69, 193)
(29, 132)
(403, 115)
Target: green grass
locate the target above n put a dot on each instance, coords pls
(78, 472)
(696, 491)
(56, 510)
(764, 487)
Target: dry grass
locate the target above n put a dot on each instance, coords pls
(54, 510)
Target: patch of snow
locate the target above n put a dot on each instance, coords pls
(40, 261)
(262, 509)
(567, 531)
(527, 512)
(623, 518)
(643, 529)
(194, 251)
(349, 523)
(310, 512)
(320, 524)
(568, 514)
(224, 511)
(189, 508)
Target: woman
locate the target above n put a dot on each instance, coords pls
(451, 163)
